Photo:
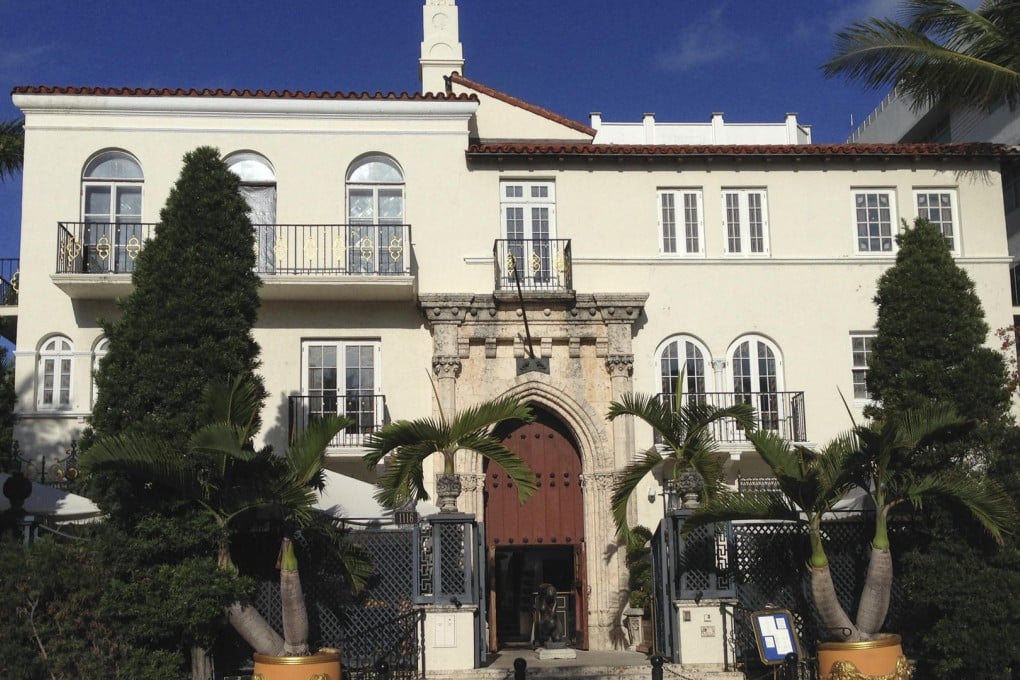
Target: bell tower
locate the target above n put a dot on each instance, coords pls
(441, 51)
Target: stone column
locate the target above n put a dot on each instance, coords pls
(607, 578)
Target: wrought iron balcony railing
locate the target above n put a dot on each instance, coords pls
(281, 249)
(366, 409)
(100, 247)
(539, 264)
(779, 412)
(10, 280)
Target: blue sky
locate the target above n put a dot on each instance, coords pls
(754, 60)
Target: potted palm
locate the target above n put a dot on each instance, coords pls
(409, 443)
(223, 474)
(875, 458)
(688, 448)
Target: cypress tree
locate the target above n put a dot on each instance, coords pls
(931, 334)
(190, 316)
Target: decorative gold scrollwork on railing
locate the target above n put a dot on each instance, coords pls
(561, 264)
(511, 264)
(103, 247)
(367, 247)
(339, 250)
(133, 247)
(396, 249)
(311, 249)
(536, 261)
(16, 281)
(72, 251)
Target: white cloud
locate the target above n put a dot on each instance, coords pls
(15, 63)
(707, 39)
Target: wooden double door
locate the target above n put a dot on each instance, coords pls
(539, 542)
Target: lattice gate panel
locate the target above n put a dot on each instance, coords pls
(377, 625)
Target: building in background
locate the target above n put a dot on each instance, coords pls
(404, 239)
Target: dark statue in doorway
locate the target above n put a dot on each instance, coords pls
(548, 628)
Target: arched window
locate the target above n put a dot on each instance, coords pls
(98, 353)
(683, 355)
(756, 370)
(375, 215)
(112, 213)
(56, 364)
(258, 187)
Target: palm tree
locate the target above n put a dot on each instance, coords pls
(12, 146)
(942, 52)
(685, 429)
(412, 442)
(876, 458)
(222, 474)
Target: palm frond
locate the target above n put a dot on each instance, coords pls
(144, 458)
(402, 480)
(236, 401)
(946, 53)
(418, 434)
(221, 439)
(627, 483)
(305, 455)
(495, 452)
(742, 506)
(483, 416)
(12, 146)
(985, 500)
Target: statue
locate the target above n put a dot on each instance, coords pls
(548, 628)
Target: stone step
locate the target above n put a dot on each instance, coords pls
(544, 672)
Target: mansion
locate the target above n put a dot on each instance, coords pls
(461, 244)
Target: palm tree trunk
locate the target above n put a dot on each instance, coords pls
(201, 664)
(834, 619)
(292, 601)
(254, 629)
(874, 606)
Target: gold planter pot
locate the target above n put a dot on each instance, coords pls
(879, 659)
(321, 666)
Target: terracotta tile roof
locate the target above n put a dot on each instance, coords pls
(521, 104)
(237, 94)
(740, 150)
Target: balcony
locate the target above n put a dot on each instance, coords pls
(779, 412)
(367, 410)
(295, 261)
(539, 268)
(10, 276)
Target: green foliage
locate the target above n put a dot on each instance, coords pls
(12, 146)
(686, 431)
(189, 317)
(117, 605)
(412, 442)
(942, 52)
(8, 398)
(931, 334)
(961, 620)
(639, 566)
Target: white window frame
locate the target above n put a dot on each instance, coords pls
(258, 188)
(859, 363)
(375, 242)
(855, 225)
(768, 416)
(953, 237)
(683, 343)
(56, 359)
(530, 197)
(115, 238)
(341, 346)
(102, 347)
(679, 234)
(742, 235)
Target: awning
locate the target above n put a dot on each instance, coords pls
(49, 501)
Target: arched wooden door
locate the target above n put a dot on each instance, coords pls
(541, 541)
